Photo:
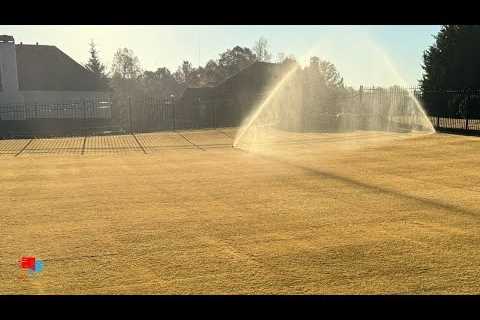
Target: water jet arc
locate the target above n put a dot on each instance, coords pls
(251, 119)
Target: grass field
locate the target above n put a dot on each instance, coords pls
(186, 213)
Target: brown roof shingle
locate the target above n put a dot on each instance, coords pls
(47, 68)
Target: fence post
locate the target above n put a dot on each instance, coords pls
(214, 114)
(438, 121)
(361, 94)
(130, 113)
(466, 123)
(84, 122)
(174, 105)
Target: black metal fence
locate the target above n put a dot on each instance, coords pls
(456, 111)
(75, 110)
(452, 111)
(155, 114)
(55, 119)
(149, 114)
(113, 115)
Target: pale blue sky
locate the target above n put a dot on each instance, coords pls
(369, 55)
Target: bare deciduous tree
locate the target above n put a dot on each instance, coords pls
(261, 50)
(126, 65)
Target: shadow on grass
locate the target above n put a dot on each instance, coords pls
(375, 188)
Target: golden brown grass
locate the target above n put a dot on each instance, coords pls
(337, 213)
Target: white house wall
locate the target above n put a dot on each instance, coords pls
(55, 104)
(49, 97)
(56, 97)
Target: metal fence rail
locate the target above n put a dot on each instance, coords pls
(455, 111)
(150, 114)
(78, 117)
(448, 110)
(146, 114)
(455, 124)
(75, 110)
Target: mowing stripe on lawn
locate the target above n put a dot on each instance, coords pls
(139, 144)
(24, 147)
(224, 133)
(83, 145)
(193, 144)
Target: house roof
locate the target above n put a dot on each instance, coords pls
(6, 38)
(255, 69)
(47, 68)
(255, 75)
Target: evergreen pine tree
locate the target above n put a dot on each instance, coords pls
(94, 65)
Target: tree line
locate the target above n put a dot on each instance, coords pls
(451, 63)
(451, 72)
(126, 76)
(126, 72)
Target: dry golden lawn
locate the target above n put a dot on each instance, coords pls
(353, 213)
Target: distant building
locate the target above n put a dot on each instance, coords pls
(229, 102)
(42, 74)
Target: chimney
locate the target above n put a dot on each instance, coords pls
(8, 65)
